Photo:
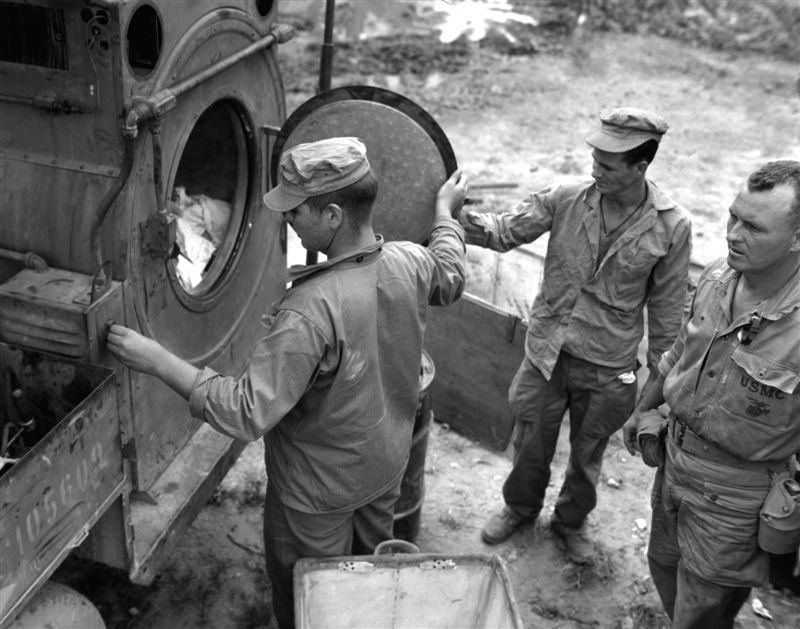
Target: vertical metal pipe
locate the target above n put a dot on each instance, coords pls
(325, 72)
(101, 281)
(326, 60)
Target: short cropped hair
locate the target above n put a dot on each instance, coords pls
(643, 153)
(356, 199)
(774, 174)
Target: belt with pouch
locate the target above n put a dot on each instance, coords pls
(689, 441)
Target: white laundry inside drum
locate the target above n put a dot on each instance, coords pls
(201, 225)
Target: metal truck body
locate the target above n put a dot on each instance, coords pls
(111, 112)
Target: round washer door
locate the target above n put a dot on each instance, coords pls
(406, 148)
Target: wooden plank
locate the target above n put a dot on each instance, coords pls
(476, 350)
(179, 494)
(474, 356)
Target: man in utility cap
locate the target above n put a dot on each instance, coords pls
(617, 244)
(333, 384)
(724, 495)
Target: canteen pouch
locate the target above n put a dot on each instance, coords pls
(779, 519)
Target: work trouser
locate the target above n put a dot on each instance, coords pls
(598, 401)
(290, 535)
(703, 552)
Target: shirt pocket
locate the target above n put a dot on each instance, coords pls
(759, 391)
(626, 275)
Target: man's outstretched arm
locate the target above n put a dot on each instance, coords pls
(146, 355)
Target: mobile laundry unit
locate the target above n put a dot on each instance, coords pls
(137, 139)
(134, 155)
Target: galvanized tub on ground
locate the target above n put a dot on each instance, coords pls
(404, 591)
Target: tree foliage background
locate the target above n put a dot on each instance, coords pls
(769, 26)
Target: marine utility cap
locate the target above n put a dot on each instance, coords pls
(314, 168)
(626, 128)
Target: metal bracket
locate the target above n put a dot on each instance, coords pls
(144, 496)
(157, 237)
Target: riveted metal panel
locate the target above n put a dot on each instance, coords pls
(68, 474)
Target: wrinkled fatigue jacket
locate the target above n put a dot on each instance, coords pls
(745, 398)
(334, 384)
(594, 308)
(740, 391)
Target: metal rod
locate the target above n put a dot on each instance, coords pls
(279, 34)
(325, 73)
(102, 282)
(10, 441)
(326, 59)
(499, 184)
(29, 259)
(158, 104)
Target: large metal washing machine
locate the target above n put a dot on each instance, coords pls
(137, 138)
(115, 116)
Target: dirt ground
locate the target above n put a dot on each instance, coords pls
(518, 119)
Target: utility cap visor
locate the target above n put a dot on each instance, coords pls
(626, 128)
(315, 168)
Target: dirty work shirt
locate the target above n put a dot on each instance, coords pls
(745, 399)
(334, 384)
(589, 307)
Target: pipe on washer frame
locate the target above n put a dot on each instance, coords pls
(161, 102)
(326, 58)
(101, 282)
(29, 259)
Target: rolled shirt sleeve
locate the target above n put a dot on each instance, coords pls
(502, 232)
(447, 246)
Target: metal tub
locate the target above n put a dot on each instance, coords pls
(404, 591)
